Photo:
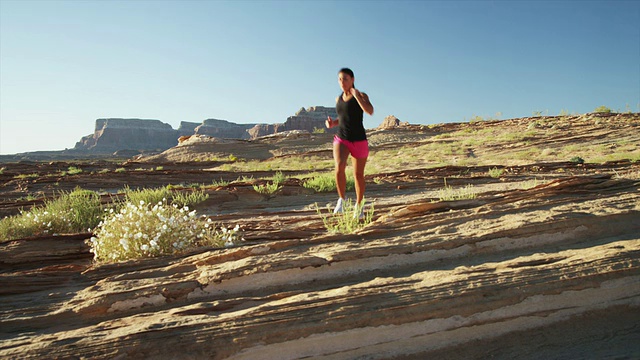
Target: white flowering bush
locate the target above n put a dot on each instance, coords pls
(229, 236)
(141, 230)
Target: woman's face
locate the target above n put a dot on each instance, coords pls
(345, 81)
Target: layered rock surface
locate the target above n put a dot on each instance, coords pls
(423, 277)
(550, 270)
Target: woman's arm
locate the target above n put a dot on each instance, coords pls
(329, 123)
(363, 101)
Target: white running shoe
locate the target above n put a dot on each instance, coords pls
(338, 209)
(358, 212)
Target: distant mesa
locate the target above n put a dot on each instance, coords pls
(309, 119)
(304, 119)
(128, 137)
(124, 136)
(112, 135)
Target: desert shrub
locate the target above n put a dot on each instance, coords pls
(141, 230)
(148, 196)
(577, 160)
(326, 182)
(188, 198)
(317, 130)
(269, 188)
(448, 193)
(346, 222)
(602, 109)
(279, 178)
(495, 172)
(220, 182)
(72, 212)
(72, 170)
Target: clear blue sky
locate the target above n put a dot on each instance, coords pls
(64, 64)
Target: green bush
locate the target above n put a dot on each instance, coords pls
(326, 182)
(495, 172)
(602, 109)
(577, 160)
(346, 222)
(268, 189)
(73, 212)
(279, 178)
(188, 198)
(448, 193)
(149, 196)
(72, 170)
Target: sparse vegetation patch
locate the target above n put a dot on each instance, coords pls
(449, 193)
(72, 212)
(349, 220)
(326, 182)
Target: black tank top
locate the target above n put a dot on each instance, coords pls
(350, 115)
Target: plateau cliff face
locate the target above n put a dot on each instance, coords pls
(309, 119)
(261, 130)
(187, 128)
(129, 134)
(304, 119)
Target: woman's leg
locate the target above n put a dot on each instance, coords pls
(340, 155)
(358, 174)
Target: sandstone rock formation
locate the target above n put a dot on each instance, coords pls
(310, 119)
(223, 129)
(129, 134)
(187, 128)
(391, 122)
(260, 130)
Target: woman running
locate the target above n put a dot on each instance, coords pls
(351, 138)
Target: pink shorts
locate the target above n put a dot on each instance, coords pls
(357, 149)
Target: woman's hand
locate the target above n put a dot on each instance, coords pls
(329, 123)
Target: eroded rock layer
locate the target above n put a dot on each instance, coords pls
(424, 278)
